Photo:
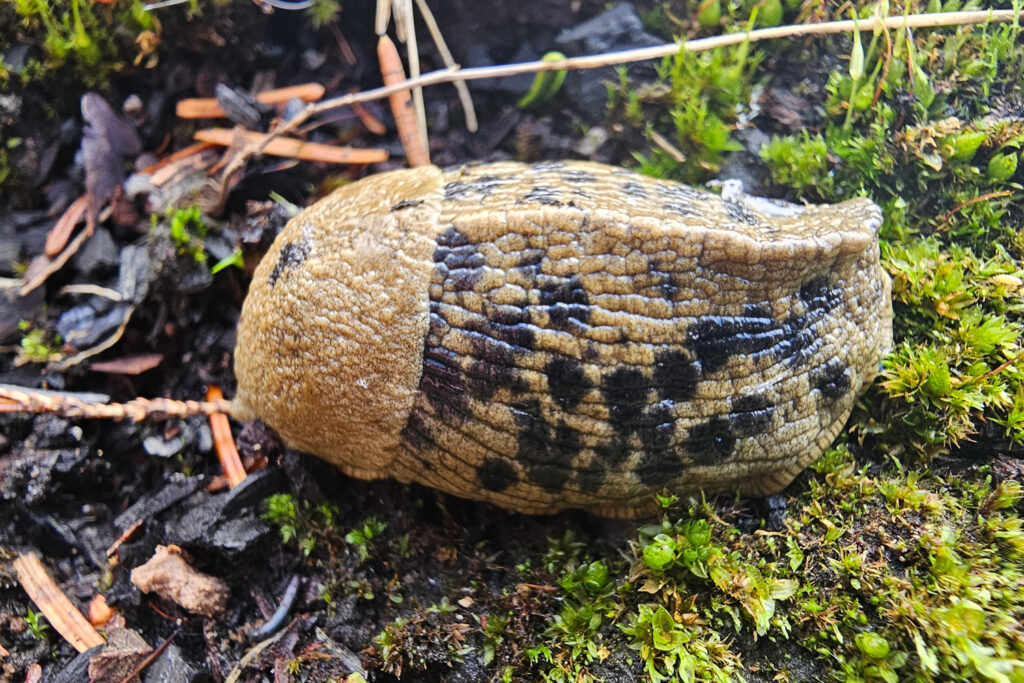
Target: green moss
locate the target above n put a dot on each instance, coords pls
(959, 330)
(672, 651)
(37, 345)
(301, 523)
(694, 102)
(362, 536)
(186, 228)
(423, 639)
(93, 39)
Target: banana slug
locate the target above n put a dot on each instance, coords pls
(563, 334)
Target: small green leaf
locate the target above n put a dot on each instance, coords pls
(234, 259)
(545, 84)
(873, 645)
(660, 553)
(711, 15)
(856, 68)
(1001, 167)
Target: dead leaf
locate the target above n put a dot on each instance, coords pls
(108, 140)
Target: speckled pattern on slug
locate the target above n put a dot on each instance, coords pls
(589, 336)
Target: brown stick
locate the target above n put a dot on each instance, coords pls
(208, 108)
(295, 148)
(401, 104)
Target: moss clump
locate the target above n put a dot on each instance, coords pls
(94, 39)
(960, 329)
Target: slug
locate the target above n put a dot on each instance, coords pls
(563, 334)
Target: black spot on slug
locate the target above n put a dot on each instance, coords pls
(675, 376)
(591, 475)
(681, 209)
(832, 379)
(542, 194)
(552, 473)
(565, 299)
(715, 339)
(681, 194)
(657, 468)
(406, 204)
(451, 237)
(417, 434)
(482, 186)
(655, 428)
(530, 260)
(740, 213)
(485, 378)
(577, 176)
(292, 256)
(496, 474)
(818, 295)
(508, 315)
(444, 384)
(494, 368)
(460, 257)
(520, 335)
(614, 452)
(634, 189)
(711, 441)
(665, 283)
(459, 260)
(555, 290)
(751, 414)
(658, 462)
(625, 391)
(566, 381)
(546, 451)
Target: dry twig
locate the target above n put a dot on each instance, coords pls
(295, 148)
(51, 601)
(14, 400)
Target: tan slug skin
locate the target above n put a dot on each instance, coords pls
(564, 334)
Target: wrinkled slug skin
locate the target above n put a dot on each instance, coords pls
(565, 334)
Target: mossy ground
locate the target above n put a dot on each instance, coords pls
(902, 552)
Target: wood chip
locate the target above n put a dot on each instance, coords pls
(62, 615)
(42, 266)
(169, 575)
(99, 611)
(224, 443)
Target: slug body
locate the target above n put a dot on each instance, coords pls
(564, 334)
